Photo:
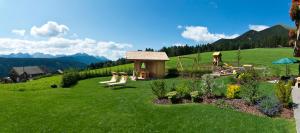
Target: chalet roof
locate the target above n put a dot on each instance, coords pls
(142, 55)
(31, 70)
(217, 53)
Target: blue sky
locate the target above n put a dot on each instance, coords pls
(114, 26)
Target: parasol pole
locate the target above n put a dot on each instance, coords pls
(286, 70)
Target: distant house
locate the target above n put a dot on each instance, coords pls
(21, 74)
(6, 80)
(148, 64)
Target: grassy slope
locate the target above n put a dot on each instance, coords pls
(261, 57)
(90, 107)
(257, 57)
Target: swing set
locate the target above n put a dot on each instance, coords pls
(196, 62)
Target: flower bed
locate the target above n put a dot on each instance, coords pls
(243, 97)
(234, 104)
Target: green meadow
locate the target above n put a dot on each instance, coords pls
(90, 107)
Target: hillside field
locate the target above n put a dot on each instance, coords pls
(91, 107)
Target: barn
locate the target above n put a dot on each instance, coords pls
(21, 74)
(148, 65)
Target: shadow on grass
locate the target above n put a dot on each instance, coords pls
(119, 87)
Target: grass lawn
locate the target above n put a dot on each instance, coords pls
(90, 107)
(259, 57)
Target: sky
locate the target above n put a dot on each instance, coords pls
(112, 27)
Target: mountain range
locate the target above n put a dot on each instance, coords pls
(79, 57)
(50, 62)
(275, 36)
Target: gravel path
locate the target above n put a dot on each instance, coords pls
(296, 100)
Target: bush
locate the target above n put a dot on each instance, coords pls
(250, 93)
(172, 96)
(158, 88)
(283, 92)
(208, 85)
(183, 90)
(172, 87)
(248, 76)
(233, 91)
(70, 78)
(194, 85)
(195, 95)
(270, 106)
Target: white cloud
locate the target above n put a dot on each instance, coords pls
(55, 43)
(19, 32)
(178, 44)
(258, 27)
(201, 34)
(59, 45)
(50, 29)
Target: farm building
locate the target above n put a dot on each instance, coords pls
(148, 64)
(21, 74)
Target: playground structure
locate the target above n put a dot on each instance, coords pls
(217, 58)
(195, 66)
(197, 69)
(218, 67)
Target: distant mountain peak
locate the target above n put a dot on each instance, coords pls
(79, 57)
(252, 37)
(282, 26)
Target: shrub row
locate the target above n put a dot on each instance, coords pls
(71, 77)
(192, 90)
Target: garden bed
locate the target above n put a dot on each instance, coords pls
(235, 104)
(241, 93)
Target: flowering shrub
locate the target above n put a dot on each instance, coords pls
(233, 91)
(194, 95)
(172, 96)
(248, 76)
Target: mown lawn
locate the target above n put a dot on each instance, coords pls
(90, 107)
(259, 57)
